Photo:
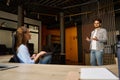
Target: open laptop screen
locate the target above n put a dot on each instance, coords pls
(5, 67)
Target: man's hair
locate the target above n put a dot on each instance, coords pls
(97, 19)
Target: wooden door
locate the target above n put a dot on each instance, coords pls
(71, 45)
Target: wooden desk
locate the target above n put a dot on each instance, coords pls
(45, 72)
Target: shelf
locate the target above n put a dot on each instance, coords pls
(12, 29)
(55, 39)
(9, 29)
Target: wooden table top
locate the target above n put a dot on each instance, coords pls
(45, 72)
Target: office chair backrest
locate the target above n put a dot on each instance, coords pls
(14, 58)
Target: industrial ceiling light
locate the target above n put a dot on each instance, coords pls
(70, 18)
(8, 2)
(38, 16)
(25, 12)
(55, 18)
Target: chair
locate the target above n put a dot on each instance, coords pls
(108, 58)
(14, 58)
(3, 49)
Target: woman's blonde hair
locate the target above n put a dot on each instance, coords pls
(20, 36)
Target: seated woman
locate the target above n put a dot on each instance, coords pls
(22, 37)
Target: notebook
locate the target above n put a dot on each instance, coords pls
(97, 74)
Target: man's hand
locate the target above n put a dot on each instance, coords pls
(95, 38)
(87, 39)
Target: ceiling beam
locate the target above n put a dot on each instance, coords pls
(44, 14)
(82, 13)
(77, 5)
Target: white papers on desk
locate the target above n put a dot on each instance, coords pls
(96, 74)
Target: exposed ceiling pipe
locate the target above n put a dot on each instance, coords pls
(63, 2)
(46, 1)
(38, 15)
(44, 14)
(78, 14)
(80, 4)
(40, 1)
(88, 12)
(57, 1)
(98, 3)
(52, 1)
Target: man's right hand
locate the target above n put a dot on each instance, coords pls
(87, 39)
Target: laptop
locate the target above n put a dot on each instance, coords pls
(5, 67)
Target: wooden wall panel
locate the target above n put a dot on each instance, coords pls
(86, 31)
(54, 32)
(46, 32)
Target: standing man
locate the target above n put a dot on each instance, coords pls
(97, 40)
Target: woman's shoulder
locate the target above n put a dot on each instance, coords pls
(22, 46)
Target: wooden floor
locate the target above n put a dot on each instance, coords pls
(5, 58)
